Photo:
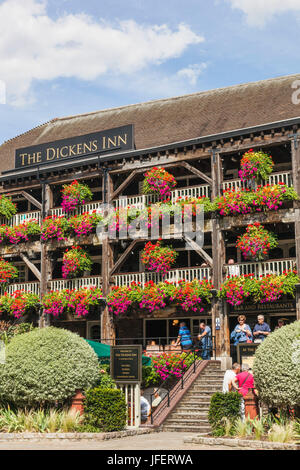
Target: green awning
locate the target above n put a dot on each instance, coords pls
(103, 352)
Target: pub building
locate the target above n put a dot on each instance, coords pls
(199, 139)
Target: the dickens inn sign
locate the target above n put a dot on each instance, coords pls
(112, 140)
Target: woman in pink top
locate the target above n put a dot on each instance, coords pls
(245, 381)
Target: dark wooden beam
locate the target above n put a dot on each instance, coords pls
(197, 172)
(199, 250)
(124, 255)
(125, 183)
(32, 199)
(295, 146)
(31, 266)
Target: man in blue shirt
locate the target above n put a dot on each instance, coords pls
(184, 337)
(261, 330)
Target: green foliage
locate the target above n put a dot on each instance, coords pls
(14, 330)
(105, 380)
(7, 207)
(277, 367)
(46, 366)
(105, 409)
(223, 406)
(150, 377)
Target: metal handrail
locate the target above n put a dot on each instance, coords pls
(179, 385)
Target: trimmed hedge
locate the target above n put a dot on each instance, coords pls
(223, 405)
(276, 367)
(105, 409)
(46, 366)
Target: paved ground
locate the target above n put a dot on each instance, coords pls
(155, 441)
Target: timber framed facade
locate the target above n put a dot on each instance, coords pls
(204, 160)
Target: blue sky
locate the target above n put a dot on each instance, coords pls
(64, 57)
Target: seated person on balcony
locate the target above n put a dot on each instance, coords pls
(157, 399)
(242, 332)
(184, 337)
(233, 269)
(261, 330)
(145, 408)
(205, 342)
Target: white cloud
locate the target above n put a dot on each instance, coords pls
(192, 72)
(35, 47)
(260, 11)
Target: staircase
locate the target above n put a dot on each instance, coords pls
(191, 413)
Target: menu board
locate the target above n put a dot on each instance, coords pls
(126, 363)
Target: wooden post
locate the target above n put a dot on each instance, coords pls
(295, 147)
(107, 327)
(46, 263)
(219, 311)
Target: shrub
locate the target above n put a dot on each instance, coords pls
(223, 406)
(39, 420)
(46, 366)
(277, 367)
(105, 409)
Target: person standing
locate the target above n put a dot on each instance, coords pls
(245, 382)
(184, 337)
(242, 332)
(261, 330)
(229, 383)
(205, 342)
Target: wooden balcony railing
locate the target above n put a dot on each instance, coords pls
(275, 178)
(175, 275)
(57, 284)
(261, 268)
(89, 207)
(22, 217)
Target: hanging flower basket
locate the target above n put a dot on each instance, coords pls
(75, 262)
(159, 181)
(74, 195)
(192, 296)
(18, 304)
(237, 290)
(158, 258)
(256, 166)
(7, 208)
(7, 272)
(256, 243)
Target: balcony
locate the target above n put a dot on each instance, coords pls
(274, 178)
(22, 217)
(174, 276)
(203, 190)
(89, 207)
(57, 284)
(261, 268)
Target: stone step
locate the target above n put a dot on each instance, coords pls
(192, 421)
(187, 428)
(193, 407)
(188, 415)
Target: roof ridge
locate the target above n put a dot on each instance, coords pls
(160, 100)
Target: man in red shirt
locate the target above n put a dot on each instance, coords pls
(245, 382)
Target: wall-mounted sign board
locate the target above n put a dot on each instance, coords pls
(112, 140)
(126, 363)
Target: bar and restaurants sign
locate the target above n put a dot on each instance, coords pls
(112, 140)
(126, 363)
